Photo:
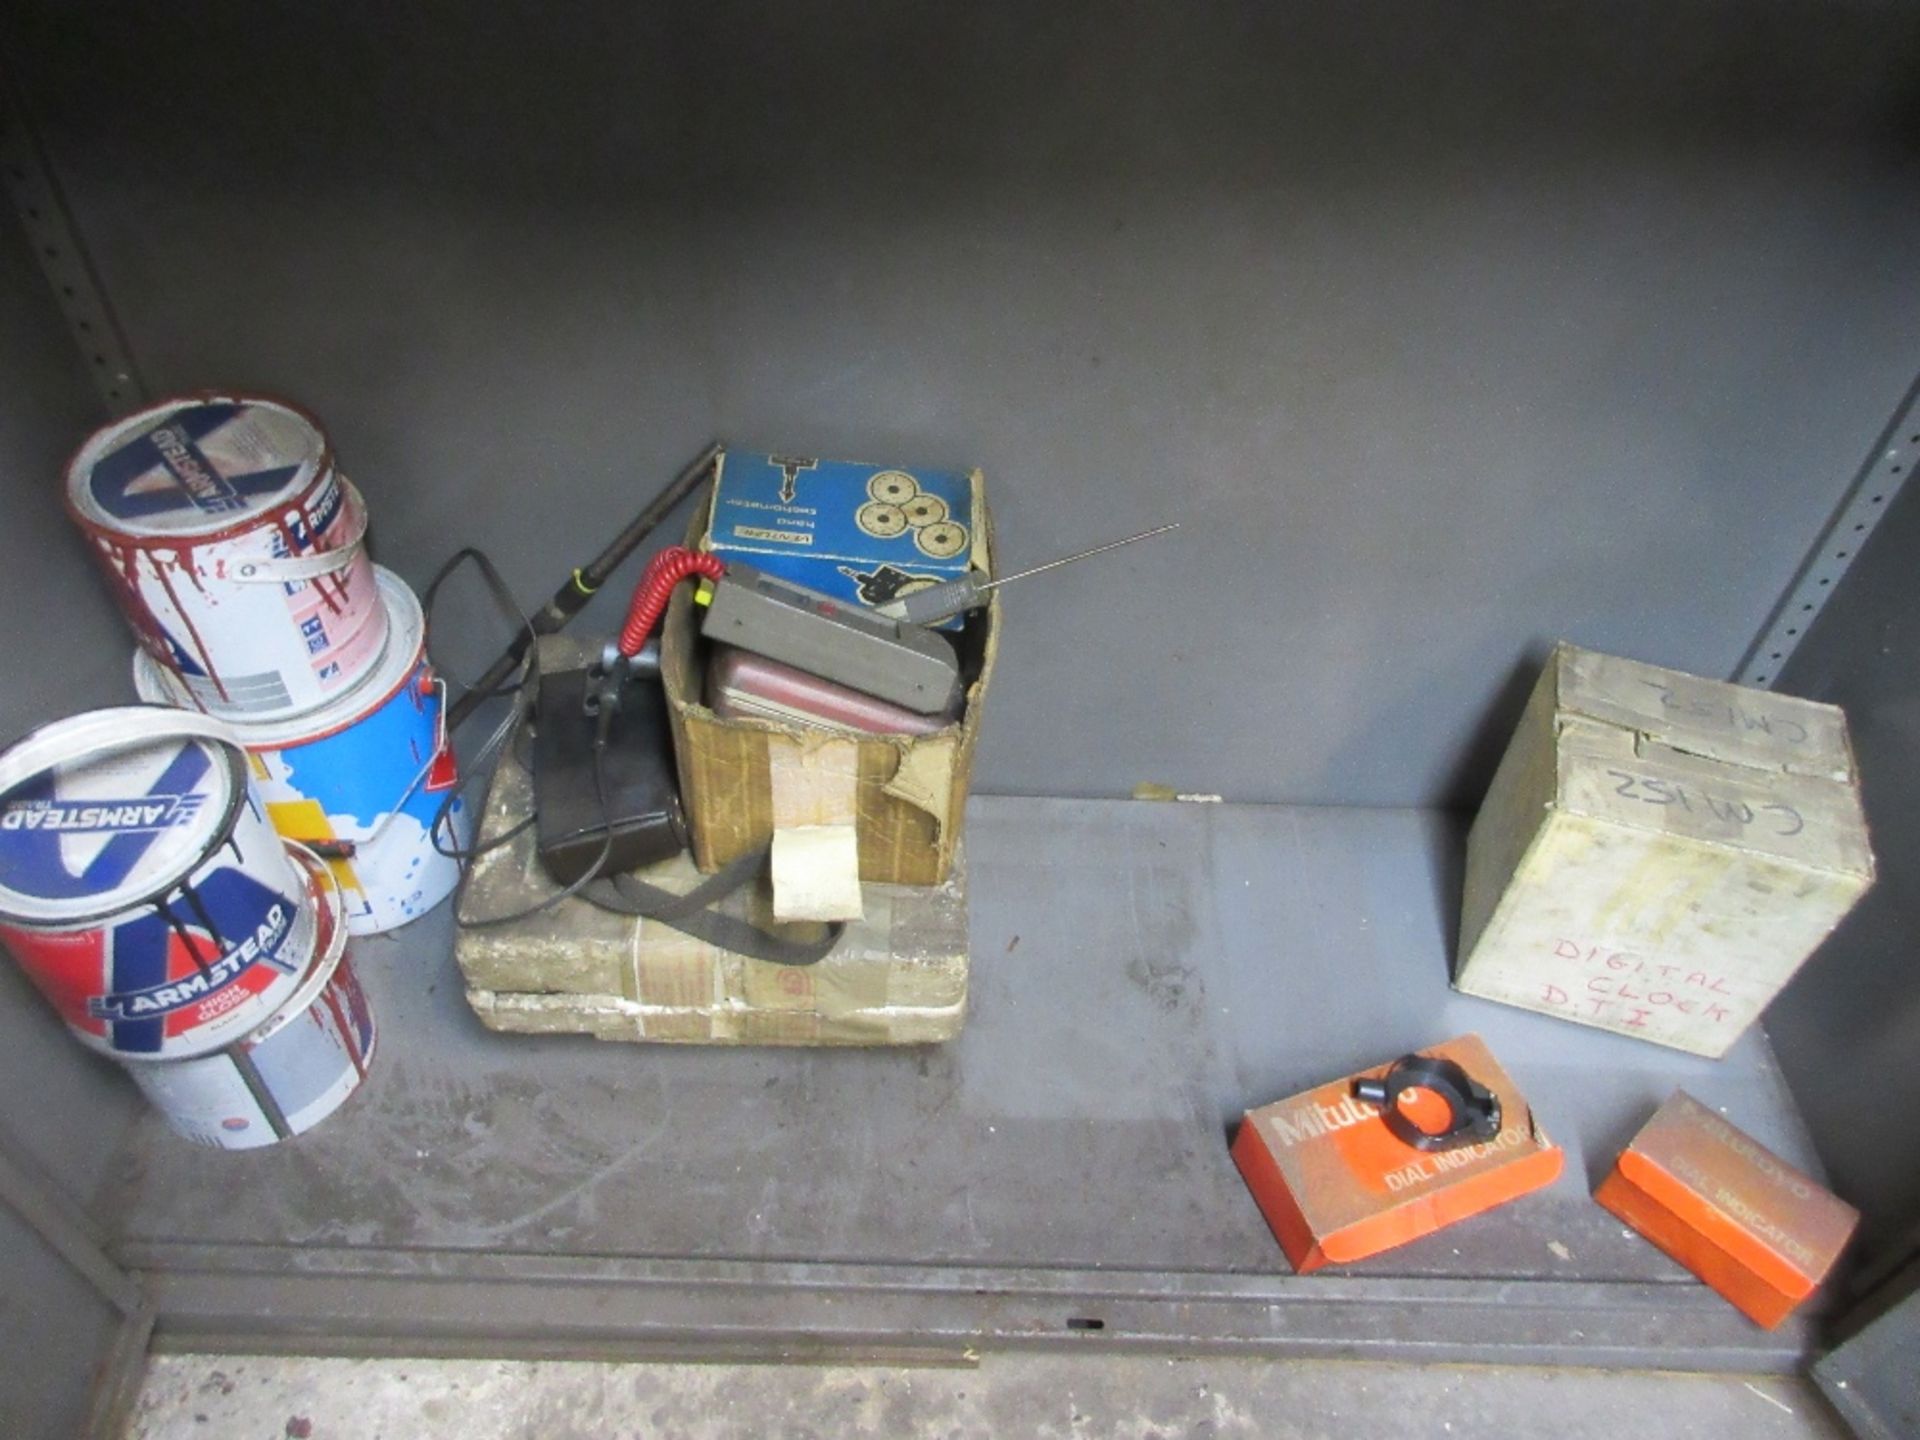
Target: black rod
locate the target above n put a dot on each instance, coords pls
(579, 587)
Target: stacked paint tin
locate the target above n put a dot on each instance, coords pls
(143, 890)
(237, 552)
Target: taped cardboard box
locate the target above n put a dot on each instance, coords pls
(1756, 1229)
(1336, 1185)
(897, 977)
(906, 795)
(1658, 853)
(609, 1017)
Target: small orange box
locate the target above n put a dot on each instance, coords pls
(1718, 1201)
(1337, 1185)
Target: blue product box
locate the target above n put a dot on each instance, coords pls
(867, 533)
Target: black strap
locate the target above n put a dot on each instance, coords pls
(689, 913)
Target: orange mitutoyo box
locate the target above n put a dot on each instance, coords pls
(1337, 1185)
(1745, 1221)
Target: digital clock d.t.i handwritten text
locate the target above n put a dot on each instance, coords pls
(1620, 987)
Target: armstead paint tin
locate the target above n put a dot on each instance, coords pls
(236, 551)
(142, 887)
(371, 767)
(291, 1073)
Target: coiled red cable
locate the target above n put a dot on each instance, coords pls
(666, 570)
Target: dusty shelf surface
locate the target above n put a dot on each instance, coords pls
(1142, 973)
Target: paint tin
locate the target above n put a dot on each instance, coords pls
(236, 551)
(141, 885)
(294, 1070)
(370, 768)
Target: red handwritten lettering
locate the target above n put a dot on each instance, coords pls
(1625, 962)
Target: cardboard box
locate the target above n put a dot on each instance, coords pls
(611, 1017)
(898, 976)
(1336, 1185)
(906, 795)
(858, 532)
(1658, 853)
(1753, 1227)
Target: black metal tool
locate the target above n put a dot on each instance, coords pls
(572, 596)
(606, 799)
(906, 665)
(1474, 1110)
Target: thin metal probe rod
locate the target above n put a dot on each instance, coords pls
(1069, 559)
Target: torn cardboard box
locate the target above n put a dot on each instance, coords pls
(1658, 853)
(739, 778)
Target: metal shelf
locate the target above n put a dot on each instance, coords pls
(1142, 973)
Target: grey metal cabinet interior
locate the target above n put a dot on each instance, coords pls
(1445, 334)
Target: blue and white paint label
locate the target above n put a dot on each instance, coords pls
(200, 465)
(154, 812)
(141, 889)
(284, 1078)
(271, 918)
(101, 833)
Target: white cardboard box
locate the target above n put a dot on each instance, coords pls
(1659, 853)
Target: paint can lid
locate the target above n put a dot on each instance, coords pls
(108, 809)
(195, 467)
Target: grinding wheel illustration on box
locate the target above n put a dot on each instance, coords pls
(893, 487)
(924, 510)
(942, 540)
(881, 519)
(899, 503)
